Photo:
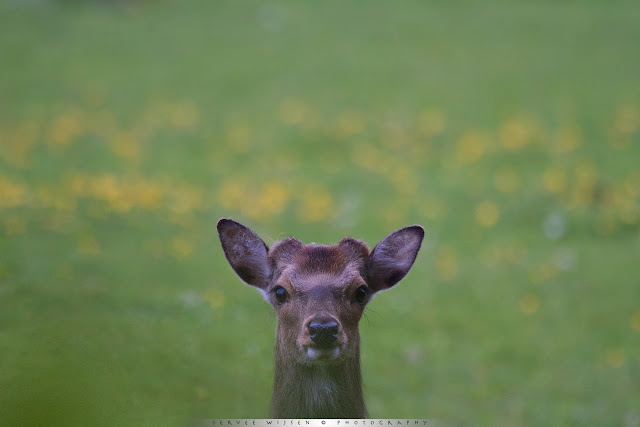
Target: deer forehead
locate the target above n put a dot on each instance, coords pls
(309, 266)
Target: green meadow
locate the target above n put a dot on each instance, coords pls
(510, 130)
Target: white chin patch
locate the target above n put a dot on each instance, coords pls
(316, 354)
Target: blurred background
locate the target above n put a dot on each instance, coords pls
(509, 129)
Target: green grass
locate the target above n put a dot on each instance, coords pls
(128, 129)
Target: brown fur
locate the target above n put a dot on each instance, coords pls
(317, 273)
(321, 282)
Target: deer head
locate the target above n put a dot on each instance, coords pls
(319, 292)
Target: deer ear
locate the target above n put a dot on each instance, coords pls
(246, 253)
(393, 257)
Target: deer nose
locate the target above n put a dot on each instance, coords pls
(323, 334)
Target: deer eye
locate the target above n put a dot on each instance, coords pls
(280, 293)
(361, 294)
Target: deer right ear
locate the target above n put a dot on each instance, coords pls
(246, 252)
(393, 257)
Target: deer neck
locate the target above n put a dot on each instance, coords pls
(303, 390)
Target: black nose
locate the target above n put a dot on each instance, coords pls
(323, 334)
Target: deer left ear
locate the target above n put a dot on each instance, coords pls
(393, 257)
(246, 252)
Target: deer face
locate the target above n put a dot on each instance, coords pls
(319, 291)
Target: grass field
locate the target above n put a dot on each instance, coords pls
(509, 130)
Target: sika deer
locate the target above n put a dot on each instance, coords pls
(319, 293)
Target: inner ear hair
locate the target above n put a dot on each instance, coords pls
(393, 257)
(246, 252)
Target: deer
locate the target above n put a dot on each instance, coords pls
(319, 293)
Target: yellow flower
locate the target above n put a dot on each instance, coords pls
(180, 248)
(232, 193)
(630, 186)
(487, 214)
(271, 199)
(121, 195)
(215, 298)
(529, 304)
(583, 190)
(11, 194)
(627, 120)
(543, 272)
(111, 190)
(125, 145)
(615, 357)
(106, 188)
(316, 204)
(567, 139)
(629, 212)
(367, 157)
(516, 134)
(554, 180)
(471, 147)
(64, 129)
(146, 194)
(80, 185)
